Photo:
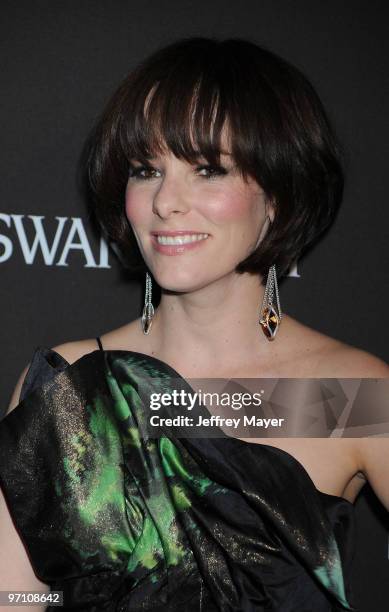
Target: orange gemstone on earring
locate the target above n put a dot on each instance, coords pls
(147, 318)
(270, 322)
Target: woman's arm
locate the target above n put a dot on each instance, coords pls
(16, 572)
(374, 463)
(372, 453)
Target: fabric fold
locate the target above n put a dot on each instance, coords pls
(122, 521)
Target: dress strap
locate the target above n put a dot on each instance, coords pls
(99, 343)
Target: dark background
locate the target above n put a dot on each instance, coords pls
(60, 62)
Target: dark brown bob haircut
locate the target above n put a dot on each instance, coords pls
(180, 98)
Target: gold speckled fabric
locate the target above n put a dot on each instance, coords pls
(120, 521)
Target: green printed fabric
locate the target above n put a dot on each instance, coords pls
(122, 521)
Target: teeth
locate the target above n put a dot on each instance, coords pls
(183, 239)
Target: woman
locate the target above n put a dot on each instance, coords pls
(213, 168)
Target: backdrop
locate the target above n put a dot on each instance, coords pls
(60, 62)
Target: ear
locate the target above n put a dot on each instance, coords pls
(264, 230)
(270, 210)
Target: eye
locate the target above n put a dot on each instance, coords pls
(210, 172)
(142, 173)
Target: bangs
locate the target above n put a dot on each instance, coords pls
(186, 111)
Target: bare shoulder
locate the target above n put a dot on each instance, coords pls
(340, 360)
(323, 356)
(75, 349)
(124, 337)
(121, 338)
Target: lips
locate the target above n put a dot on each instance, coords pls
(176, 232)
(177, 249)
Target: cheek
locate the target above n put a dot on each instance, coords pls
(237, 207)
(133, 207)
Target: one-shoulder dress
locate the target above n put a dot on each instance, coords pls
(120, 521)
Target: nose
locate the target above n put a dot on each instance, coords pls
(170, 198)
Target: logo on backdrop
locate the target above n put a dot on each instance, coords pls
(53, 245)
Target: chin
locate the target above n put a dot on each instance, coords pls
(181, 281)
(180, 287)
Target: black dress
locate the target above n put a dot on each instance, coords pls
(120, 521)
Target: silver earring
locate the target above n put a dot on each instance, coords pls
(271, 315)
(148, 308)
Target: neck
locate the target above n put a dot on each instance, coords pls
(215, 327)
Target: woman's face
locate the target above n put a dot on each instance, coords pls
(174, 199)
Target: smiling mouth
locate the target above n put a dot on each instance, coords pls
(181, 239)
(178, 243)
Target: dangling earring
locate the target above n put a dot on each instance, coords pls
(271, 316)
(148, 308)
